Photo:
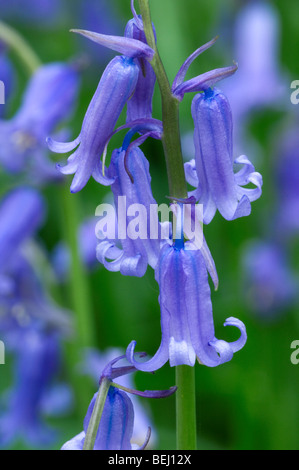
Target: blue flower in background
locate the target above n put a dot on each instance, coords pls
(259, 82)
(31, 11)
(116, 425)
(37, 363)
(186, 314)
(271, 286)
(48, 100)
(286, 178)
(212, 171)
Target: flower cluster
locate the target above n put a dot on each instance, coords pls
(221, 183)
(181, 266)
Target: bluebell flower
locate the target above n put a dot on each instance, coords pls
(116, 424)
(140, 250)
(212, 171)
(186, 314)
(271, 286)
(116, 86)
(95, 360)
(48, 100)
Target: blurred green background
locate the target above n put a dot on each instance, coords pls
(252, 401)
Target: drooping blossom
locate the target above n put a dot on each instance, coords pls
(134, 247)
(93, 361)
(47, 102)
(212, 170)
(115, 88)
(186, 314)
(116, 425)
(260, 81)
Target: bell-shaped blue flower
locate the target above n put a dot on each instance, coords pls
(116, 425)
(48, 100)
(186, 314)
(138, 249)
(212, 171)
(269, 283)
(116, 86)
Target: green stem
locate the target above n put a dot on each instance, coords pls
(96, 415)
(185, 408)
(185, 398)
(18, 44)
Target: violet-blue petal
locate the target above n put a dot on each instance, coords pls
(218, 186)
(186, 314)
(203, 82)
(128, 47)
(136, 250)
(116, 426)
(180, 77)
(115, 88)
